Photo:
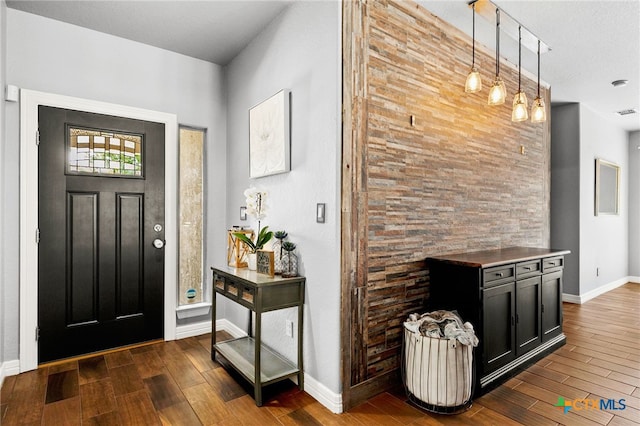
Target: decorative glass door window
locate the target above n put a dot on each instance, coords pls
(190, 187)
(102, 153)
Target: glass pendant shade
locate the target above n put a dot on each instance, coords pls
(498, 92)
(474, 82)
(520, 104)
(538, 111)
(520, 107)
(520, 98)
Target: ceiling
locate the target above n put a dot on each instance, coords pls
(211, 30)
(592, 42)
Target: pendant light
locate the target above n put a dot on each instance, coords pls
(474, 82)
(538, 110)
(520, 105)
(498, 92)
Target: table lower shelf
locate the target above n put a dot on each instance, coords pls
(241, 355)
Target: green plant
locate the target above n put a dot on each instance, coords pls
(264, 235)
(288, 246)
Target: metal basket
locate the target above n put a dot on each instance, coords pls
(437, 373)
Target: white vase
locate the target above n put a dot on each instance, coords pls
(251, 261)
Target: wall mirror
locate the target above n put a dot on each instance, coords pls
(607, 188)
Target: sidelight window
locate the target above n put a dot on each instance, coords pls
(191, 210)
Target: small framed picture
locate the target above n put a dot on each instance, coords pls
(607, 193)
(264, 262)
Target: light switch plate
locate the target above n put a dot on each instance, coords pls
(320, 212)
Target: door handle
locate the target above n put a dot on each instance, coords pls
(158, 243)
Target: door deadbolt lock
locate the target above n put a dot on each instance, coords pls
(158, 243)
(157, 227)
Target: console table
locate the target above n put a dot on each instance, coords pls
(513, 299)
(259, 293)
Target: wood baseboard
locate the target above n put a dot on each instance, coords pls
(369, 388)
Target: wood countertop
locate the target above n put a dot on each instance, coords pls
(488, 258)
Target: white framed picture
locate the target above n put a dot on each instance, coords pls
(607, 194)
(269, 136)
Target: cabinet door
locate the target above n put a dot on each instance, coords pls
(528, 306)
(498, 326)
(551, 305)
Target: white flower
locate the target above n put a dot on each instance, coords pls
(256, 202)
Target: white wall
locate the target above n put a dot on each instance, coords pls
(578, 137)
(604, 239)
(3, 61)
(300, 51)
(55, 57)
(634, 204)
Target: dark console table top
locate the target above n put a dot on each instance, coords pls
(488, 258)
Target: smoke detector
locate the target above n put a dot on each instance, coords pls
(627, 111)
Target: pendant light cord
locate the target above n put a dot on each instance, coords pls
(519, 56)
(538, 68)
(473, 31)
(497, 42)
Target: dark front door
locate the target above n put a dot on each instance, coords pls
(101, 209)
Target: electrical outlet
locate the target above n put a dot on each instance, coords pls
(288, 325)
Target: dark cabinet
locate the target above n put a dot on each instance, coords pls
(513, 298)
(528, 311)
(511, 321)
(551, 305)
(499, 341)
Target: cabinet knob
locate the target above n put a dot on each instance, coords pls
(528, 268)
(499, 274)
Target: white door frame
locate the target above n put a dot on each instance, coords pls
(29, 102)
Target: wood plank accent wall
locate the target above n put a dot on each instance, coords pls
(455, 182)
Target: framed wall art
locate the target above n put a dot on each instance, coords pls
(607, 191)
(264, 262)
(269, 136)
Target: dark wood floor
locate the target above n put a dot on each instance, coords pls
(176, 383)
